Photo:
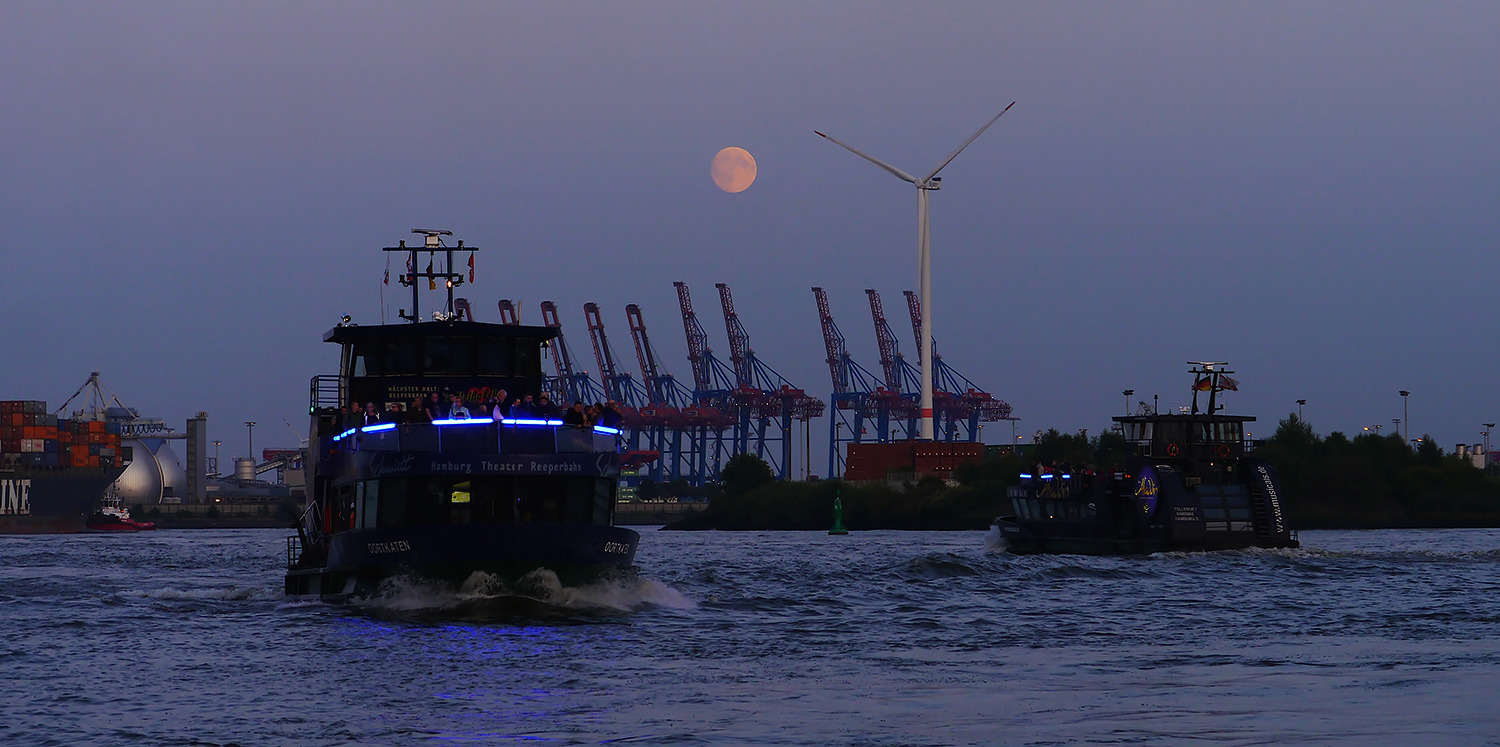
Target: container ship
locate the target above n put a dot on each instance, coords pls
(53, 472)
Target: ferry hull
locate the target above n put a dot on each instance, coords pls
(359, 560)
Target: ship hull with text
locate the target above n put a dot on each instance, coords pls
(493, 505)
(1193, 484)
(51, 501)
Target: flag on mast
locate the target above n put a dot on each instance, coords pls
(431, 281)
(471, 267)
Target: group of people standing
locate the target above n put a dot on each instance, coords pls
(498, 407)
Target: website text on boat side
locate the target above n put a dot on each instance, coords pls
(429, 458)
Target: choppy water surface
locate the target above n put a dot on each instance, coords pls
(184, 637)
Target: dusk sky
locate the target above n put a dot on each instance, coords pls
(191, 193)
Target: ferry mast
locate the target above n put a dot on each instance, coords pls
(432, 245)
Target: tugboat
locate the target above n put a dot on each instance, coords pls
(482, 499)
(113, 516)
(1192, 484)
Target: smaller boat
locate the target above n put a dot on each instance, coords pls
(113, 516)
(1192, 484)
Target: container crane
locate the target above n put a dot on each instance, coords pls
(619, 385)
(902, 380)
(569, 386)
(672, 414)
(763, 395)
(852, 389)
(713, 383)
(957, 397)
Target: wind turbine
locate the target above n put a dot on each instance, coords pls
(929, 183)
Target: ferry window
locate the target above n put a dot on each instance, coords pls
(527, 362)
(391, 503)
(494, 357)
(449, 355)
(403, 357)
(1171, 433)
(580, 500)
(537, 499)
(368, 356)
(367, 509)
(604, 499)
(460, 510)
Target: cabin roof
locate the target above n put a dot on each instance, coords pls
(354, 333)
(1201, 417)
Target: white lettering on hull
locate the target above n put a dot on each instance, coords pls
(15, 497)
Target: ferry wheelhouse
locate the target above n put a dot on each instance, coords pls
(1193, 483)
(454, 497)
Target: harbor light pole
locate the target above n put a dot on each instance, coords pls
(1300, 403)
(1487, 427)
(1404, 415)
(1397, 423)
(1128, 394)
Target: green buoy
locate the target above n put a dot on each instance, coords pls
(838, 516)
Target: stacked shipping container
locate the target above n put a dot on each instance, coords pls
(30, 437)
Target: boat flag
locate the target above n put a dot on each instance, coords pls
(431, 281)
(387, 268)
(411, 270)
(1226, 383)
(471, 267)
(1203, 384)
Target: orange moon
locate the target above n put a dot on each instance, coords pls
(733, 170)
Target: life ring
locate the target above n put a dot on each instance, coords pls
(1222, 451)
(1171, 450)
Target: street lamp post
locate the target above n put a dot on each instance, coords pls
(1300, 403)
(1397, 423)
(1487, 427)
(1128, 394)
(1404, 414)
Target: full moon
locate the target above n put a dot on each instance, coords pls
(733, 170)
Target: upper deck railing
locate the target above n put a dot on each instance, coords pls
(480, 436)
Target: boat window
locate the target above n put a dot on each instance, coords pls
(604, 500)
(537, 499)
(460, 510)
(494, 356)
(391, 502)
(449, 356)
(580, 500)
(403, 356)
(527, 362)
(1171, 432)
(367, 509)
(368, 357)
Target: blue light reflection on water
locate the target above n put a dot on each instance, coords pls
(764, 638)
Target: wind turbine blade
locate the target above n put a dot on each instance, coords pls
(902, 175)
(971, 139)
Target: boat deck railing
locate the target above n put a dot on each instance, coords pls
(1205, 449)
(480, 436)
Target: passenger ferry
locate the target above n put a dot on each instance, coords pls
(1193, 483)
(459, 500)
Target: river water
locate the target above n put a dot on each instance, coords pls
(775, 638)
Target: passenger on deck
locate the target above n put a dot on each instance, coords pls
(574, 415)
(458, 411)
(499, 408)
(524, 408)
(437, 406)
(371, 416)
(591, 413)
(544, 407)
(417, 413)
(609, 416)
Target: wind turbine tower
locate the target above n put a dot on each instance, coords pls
(925, 184)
